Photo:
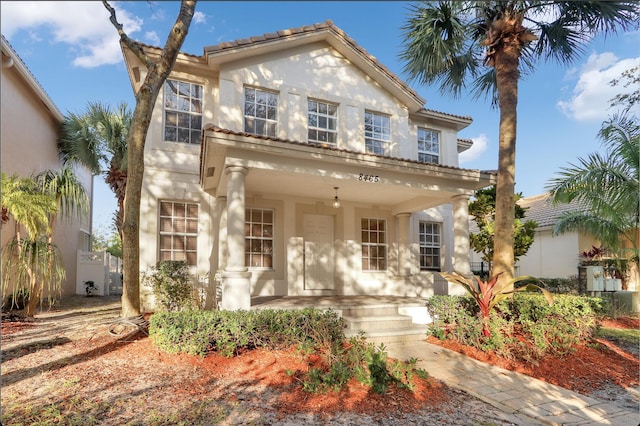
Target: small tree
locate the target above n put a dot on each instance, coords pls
(483, 210)
(33, 262)
(107, 240)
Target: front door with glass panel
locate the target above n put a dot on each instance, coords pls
(319, 253)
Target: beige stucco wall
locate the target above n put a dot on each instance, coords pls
(28, 132)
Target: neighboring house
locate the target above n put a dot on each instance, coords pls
(557, 256)
(550, 256)
(294, 163)
(29, 130)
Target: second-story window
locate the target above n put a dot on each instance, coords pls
(323, 122)
(260, 112)
(428, 146)
(182, 112)
(377, 132)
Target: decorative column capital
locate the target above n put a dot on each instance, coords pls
(236, 169)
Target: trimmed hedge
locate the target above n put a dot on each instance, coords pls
(197, 332)
(523, 327)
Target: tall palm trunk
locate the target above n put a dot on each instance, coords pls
(506, 60)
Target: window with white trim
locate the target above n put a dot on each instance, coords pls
(182, 112)
(260, 112)
(377, 132)
(429, 234)
(428, 146)
(178, 231)
(322, 121)
(374, 244)
(258, 242)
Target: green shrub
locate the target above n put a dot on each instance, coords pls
(198, 332)
(523, 327)
(171, 284)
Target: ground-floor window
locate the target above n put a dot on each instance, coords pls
(179, 231)
(429, 233)
(258, 243)
(374, 244)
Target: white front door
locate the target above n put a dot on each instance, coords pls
(319, 253)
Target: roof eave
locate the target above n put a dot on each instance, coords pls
(17, 62)
(221, 54)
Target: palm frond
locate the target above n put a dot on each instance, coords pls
(28, 205)
(67, 190)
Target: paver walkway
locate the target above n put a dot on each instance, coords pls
(534, 401)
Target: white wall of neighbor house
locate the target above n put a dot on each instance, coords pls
(551, 256)
(28, 130)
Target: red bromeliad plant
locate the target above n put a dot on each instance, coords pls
(488, 294)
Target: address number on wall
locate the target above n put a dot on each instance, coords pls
(368, 178)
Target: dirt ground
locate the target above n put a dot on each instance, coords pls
(76, 364)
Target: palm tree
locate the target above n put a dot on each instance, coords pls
(97, 139)
(71, 200)
(490, 44)
(607, 185)
(28, 260)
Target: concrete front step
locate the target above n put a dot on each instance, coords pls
(413, 333)
(378, 323)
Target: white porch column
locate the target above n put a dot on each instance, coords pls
(404, 257)
(221, 205)
(461, 234)
(236, 285)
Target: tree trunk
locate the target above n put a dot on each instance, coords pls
(145, 100)
(507, 76)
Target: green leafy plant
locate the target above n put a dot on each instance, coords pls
(491, 292)
(171, 284)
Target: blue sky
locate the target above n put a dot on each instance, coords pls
(72, 49)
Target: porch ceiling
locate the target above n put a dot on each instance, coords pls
(284, 168)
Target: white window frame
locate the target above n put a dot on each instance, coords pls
(430, 242)
(182, 231)
(182, 112)
(324, 116)
(374, 244)
(428, 145)
(260, 112)
(258, 234)
(377, 132)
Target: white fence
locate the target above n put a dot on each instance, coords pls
(101, 268)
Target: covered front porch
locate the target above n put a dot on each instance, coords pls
(319, 249)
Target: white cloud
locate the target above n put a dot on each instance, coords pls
(477, 149)
(84, 26)
(592, 94)
(199, 18)
(152, 37)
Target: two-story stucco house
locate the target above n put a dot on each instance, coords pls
(29, 134)
(294, 163)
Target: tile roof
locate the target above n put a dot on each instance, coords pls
(542, 210)
(216, 129)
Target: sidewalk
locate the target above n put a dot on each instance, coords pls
(531, 400)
